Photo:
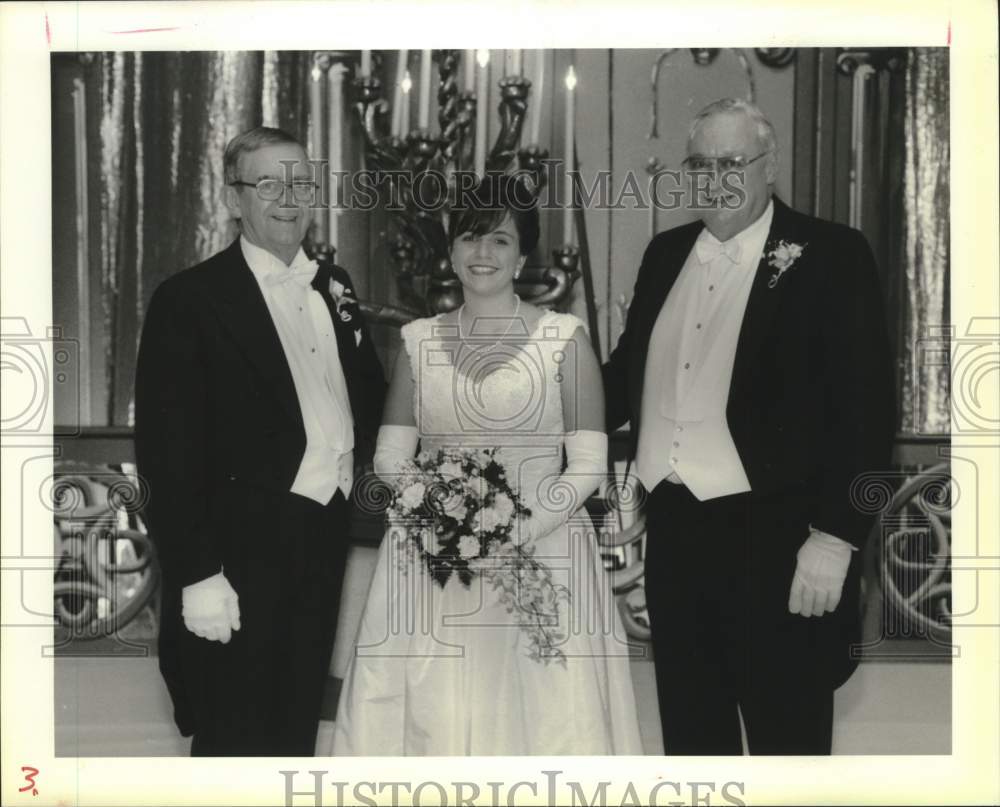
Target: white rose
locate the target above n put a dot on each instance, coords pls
(413, 496)
(504, 507)
(451, 470)
(468, 547)
(489, 519)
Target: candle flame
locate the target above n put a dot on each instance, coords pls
(407, 82)
(316, 74)
(570, 78)
(483, 57)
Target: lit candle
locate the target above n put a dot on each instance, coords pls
(366, 63)
(335, 144)
(397, 98)
(515, 62)
(404, 112)
(537, 94)
(482, 105)
(568, 157)
(316, 125)
(470, 70)
(424, 109)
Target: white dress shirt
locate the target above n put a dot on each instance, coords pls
(683, 433)
(309, 342)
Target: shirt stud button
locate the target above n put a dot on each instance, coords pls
(711, 288)
(698, 326)
(687, 365)
(676, 444)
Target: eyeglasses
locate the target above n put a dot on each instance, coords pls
(720, 164)
(269, 190)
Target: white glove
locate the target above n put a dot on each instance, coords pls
(560, 497)
(819, 576)
(211, 608)
(394, 445)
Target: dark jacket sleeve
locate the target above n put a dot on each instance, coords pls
(172, 436)
(860, 410)
(615, 370)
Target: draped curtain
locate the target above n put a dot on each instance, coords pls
(164, 121)
(902, 205)
(925, 246)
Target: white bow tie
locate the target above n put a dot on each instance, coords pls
(708, 250)
(302, 272)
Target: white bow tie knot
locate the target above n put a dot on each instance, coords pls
(708, 250)
(301, 272)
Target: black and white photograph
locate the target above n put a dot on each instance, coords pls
(508, 408)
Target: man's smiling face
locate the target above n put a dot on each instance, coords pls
(278, 226)
(734, 135)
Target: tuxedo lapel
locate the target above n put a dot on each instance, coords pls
(758, 318)
(245, 315)
(343, 329)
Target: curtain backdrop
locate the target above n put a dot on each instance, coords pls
(903, 208)
(165, 119)
(924, 385)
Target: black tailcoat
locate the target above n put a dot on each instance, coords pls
(219, 439)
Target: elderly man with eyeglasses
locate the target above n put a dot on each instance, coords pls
(755, 374)
(258, 390)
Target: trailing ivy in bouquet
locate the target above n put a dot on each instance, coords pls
(457, 509)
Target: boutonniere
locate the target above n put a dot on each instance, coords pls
(343, 300)
(782, 258)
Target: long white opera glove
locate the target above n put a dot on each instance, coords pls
(561, 497)
(211, 608)
(819, 575)
(394, 445)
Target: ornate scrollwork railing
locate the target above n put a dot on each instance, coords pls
(108, 569)
(623, 550)
(915, 557)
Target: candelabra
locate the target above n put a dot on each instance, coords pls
(418, 169)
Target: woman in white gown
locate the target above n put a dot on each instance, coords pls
(446, 670)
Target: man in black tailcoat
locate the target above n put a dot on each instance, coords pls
(754, 371)
(258, 390)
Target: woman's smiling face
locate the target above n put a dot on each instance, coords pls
(486, 264)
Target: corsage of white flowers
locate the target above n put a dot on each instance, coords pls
(782, 258)
(342, 297)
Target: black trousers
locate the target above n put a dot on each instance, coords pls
(260, 694)
(718, 575)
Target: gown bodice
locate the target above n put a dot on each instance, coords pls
(505, 395)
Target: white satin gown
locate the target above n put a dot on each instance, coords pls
(447, 671)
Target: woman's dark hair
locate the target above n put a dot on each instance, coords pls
(480, 209)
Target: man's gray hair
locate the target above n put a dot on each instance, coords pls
(251, 141)
(765, 131)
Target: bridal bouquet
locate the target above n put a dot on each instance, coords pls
(457, 510)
